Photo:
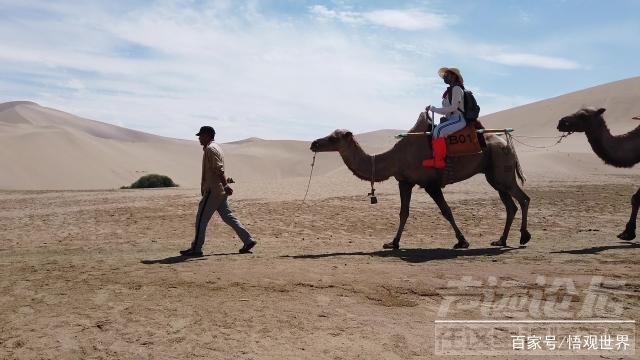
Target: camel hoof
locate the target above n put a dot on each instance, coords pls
(391, 245)
(461, 245)
(627, 235)
(499, 243)
(524, 238)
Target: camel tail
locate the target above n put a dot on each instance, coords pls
(519, 171)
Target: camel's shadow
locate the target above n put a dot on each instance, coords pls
(599, 249)
(414, 255)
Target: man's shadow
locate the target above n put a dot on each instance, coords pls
(415, 255)
(599, 249)
(173, 260)
(181, 258)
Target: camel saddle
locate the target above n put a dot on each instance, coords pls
(465, 141)
(461, 146)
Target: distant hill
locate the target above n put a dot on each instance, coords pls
(44, 148)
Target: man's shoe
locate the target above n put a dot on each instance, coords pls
(192, 253)
(182, 252)
(247, 247)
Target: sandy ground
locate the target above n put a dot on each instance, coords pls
(94, 274)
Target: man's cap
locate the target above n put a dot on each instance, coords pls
(206, 130)
(444, 70)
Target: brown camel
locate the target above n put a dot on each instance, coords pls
(619, 151)
(498, 162)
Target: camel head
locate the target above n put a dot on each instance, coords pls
(333, 142)
(581, 120)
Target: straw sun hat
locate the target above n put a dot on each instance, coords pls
(444, 70)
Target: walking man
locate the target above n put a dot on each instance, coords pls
(215, 190)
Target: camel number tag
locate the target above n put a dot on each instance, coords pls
(464, 141)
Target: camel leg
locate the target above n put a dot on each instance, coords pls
(508, 188)
(629, 232)
(523, 200)
(405, 200)
(511, 208)
(436, 194)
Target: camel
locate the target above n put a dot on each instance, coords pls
(498, 162)
(619, 151)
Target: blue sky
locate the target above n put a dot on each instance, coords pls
(299, 69)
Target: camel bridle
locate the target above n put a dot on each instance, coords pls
(313, 163)
(295, 216)
(560, 139)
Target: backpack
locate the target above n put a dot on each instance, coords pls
(471, 108)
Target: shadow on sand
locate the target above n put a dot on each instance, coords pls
(415, 255)
(180, 258)
(599, 249)
(173, 260)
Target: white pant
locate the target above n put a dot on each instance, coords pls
(454, 123)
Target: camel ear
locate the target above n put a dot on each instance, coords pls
(601, 111)
(348, 134)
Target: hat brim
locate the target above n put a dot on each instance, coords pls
(444, 70)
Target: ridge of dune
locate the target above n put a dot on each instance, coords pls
(33, 117)
(11, 104)
(246, 141)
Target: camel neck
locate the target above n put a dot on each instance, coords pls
(367, 167)
(620, 151)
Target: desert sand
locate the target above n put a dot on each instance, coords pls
(88, 271)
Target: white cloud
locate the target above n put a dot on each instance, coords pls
(407, 19)
(75, 84)
(256, 76)
(410, 20)
(167, 68)
(349, 17)
(532, 60)
(453, 44)
(525, 17)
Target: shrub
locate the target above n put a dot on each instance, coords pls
(152, 181)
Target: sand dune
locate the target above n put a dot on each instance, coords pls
(48, 149)
(45, 148)
(620, 98)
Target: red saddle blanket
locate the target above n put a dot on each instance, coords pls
(464, 141)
